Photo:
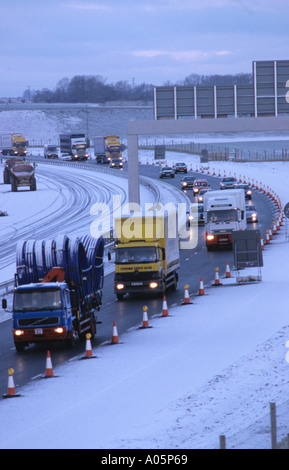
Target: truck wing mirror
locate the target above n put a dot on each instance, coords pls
(4, 304)
(109, 256)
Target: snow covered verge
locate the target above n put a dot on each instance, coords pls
(209, 368)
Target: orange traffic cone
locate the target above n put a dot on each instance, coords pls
(270, 233)
(11, 387)
(228, 272)
(267, 237)
(88, 348)
(114, 339)
(49, 369)
(201, 288)
(217, 280)
(145, 322)
(274, 228)
(165, 311)
(262, 243)
(186, 297)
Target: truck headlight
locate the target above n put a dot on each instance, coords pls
(153, 285)
(59, 330)
(210, 237)
(120, 286)
(18, 332)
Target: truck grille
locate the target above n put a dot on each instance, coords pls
(137, 276)
(38, 321)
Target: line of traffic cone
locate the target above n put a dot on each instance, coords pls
(49, 369)
(187, 300)
(228, 272)
(145, 322)
(114, 339)
(11, 392)
(165, 312)
(88, 348)
(217, 279)
(201, 288)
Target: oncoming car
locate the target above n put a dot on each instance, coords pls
(167, 172)
(181, 167)
(247, 190)
(188, 182)
(251, 213)
(201, 194)
(197, 217)
(200, 184)
(116, 163)
(228, 182)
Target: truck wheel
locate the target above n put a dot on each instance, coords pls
(14, 186)
(71, 342)
(33, 185)
(119, 296)
(174, 285)
(19, 347)
(92, 327)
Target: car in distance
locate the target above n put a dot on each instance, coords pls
(188, 182)
(65, 156)
(200, 184)
(247, 190)
(251, 213)
(181, 168)
(116, 163)
(228, 182)
(197, 217)
(201, 194)
(167, 172)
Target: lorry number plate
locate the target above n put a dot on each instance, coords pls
(136, 283)
(38, 331)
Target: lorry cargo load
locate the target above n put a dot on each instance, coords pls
(13, 144)
(58, 289)
(147, 256)
(75, 145)
(224, 213)
(107, 147)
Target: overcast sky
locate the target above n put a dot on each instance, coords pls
(151, 41)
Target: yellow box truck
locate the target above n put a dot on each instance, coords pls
(147, 256)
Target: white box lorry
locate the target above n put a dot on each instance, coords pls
(224, 213)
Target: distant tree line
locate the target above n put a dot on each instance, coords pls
(95, 89)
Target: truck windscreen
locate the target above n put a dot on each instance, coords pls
(40, 299)
(141, 254)
(222, 216)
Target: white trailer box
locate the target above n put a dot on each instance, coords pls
(224, 213)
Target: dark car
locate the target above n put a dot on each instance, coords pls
(197, 218)
(116, 163)
(167, 172)
(188, 182)
(247, 190)
(228, 182)
(181, 167)
(200, 184)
